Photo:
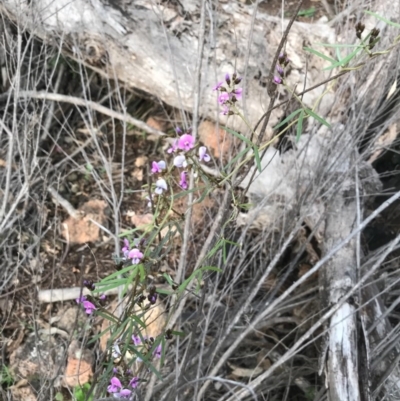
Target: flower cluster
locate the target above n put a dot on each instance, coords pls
(183, 148)
(115, 388)
(283, 61)
(132, 253)
(229, 94)
(137, 341)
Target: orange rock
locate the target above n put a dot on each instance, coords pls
(217, 140)
(156, 123)
(80, 231)
(79, 368)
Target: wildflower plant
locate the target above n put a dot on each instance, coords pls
(182, 172)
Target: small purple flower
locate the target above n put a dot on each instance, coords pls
(218, 86)
(174, 147)
(152, 298)
(223, 98)
(124, 393)
(115, 385)
(178, 131)
(157, 167)
(134, 382)
(277, 80)
(135, 255)
(203, 155)
(125, 248)
(81, 299)
(161, 186)
(89, 307)
(227, 78)
(115, 370)
(225, 110)
(136, 340)
(186, 142)
(280, 70)
(237, 93)
(183, 182)
(158, 351)
(180, 161)
(103, 297)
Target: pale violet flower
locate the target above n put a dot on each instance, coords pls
(89, 307)
(135, 255)
(136, 340)
(157, 167)
(180, 161)
(237, 93)
(125, 249)
(158, 351)
(161, 186)
(183, 182)
(186, 142)
(225, 110)
(174, 147)
(203, 155)
(116, 353)
(124, 393)
(218, 86)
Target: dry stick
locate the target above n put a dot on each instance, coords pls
(92, 105)
(295, 285)
(188, 218)
(296, 346)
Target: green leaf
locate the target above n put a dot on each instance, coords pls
(169, 279)
(115, 275)
(178, 333)
(288, 118)
(318, 118)
(382, 19)
(299, 128)
(251, 144)
(322, 55)
(345, 60)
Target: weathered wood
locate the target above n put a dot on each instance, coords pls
(153, 47)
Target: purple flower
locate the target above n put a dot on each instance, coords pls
(223, 98)
(203, 155)
(180, 161)
(81, 299)
(183, 183)
(280, 70)
(158, 351)
(124, 393)
(161, 186)
(114, 386)
(134, 382)
(158, 167)
(238, 93)
(125, 248)
(218, 86)
(186, 142)
(225, 110)
(277, 80)
(89, 307)
(152, 298)
(178, 131)
(174, 147)
(135, 255)
(136, 340)
(227, 78)
(103, 297)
